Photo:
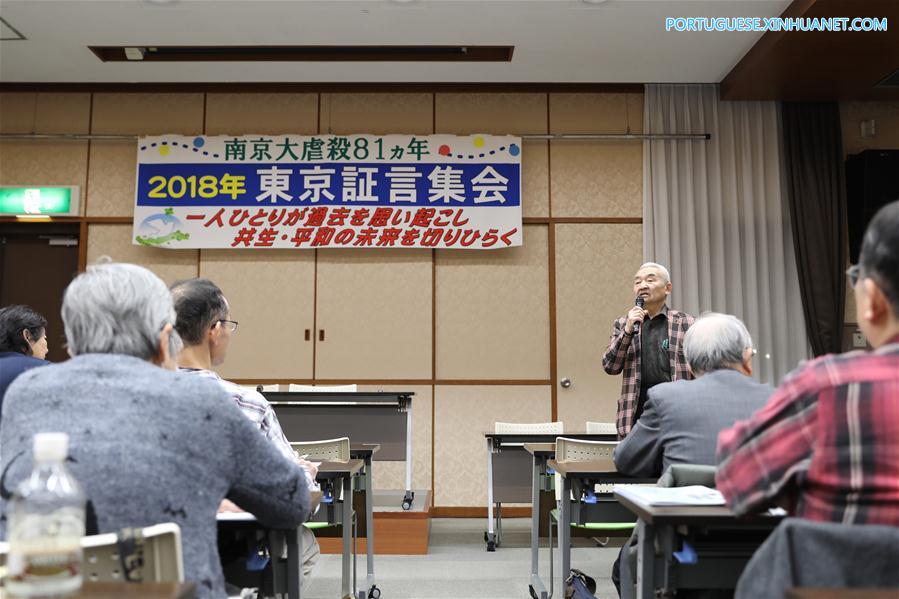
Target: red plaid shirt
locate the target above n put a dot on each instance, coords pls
(623, 355)
(826, 445)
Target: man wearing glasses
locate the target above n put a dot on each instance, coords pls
(205, 326)
(826, 443)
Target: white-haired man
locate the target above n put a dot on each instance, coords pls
(133, 436)
(652, 356)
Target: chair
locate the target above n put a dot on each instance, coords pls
(553, 428)
(601, 428)
(319, 389)
(327, 450)
(153, 555)
(802, 553)
(579, 450)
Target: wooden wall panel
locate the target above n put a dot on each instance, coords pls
(463, 414)
(493, 311)
(271, 294)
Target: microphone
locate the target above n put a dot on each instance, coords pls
(639, 303)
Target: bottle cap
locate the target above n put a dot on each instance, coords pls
(51, 446)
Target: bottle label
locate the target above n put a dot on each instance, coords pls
(44, 567)
(45, 553)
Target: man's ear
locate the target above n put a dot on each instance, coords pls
(162, 354)
(876, 305)
(747, 360)
(668, 287)
(214, 331)
(26, 334)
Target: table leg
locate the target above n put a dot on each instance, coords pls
(347, 524)
(565, 533)
(409, 497)
(491, 534)
(295, 563)
(280, 574)
(537, 590)
(645, 560)
(369, 528)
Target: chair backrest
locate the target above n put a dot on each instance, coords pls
(602, 428)
(320, 389)
(327, 450)
(685, 475)
(578, 450)
(553, 428)
(162, 557)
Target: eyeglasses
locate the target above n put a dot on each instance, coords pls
(231, 325)
(853, 273)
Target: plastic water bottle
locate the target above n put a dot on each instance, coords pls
(46, 523)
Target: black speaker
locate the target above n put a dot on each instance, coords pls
(872, 180)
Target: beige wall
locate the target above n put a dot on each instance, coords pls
(470, 332)
(886, 116)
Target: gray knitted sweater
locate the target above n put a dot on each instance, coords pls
(151, 446)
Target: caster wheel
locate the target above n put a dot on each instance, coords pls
(491, 546)
(407, 505)
(374, 593)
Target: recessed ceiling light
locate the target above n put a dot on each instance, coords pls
(594, 1)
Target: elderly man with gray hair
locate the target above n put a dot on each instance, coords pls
(681, 419)
(147, 445)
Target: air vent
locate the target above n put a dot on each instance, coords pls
(304, 53)
(9, 33)
(891, 80)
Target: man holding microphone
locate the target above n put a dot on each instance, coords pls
(646, 344)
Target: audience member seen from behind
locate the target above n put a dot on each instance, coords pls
(826, 445)
(23, 344)
(682, 419)
(147, 445)
(205, 324)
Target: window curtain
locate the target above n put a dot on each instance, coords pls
(715, 213)
(816, 186)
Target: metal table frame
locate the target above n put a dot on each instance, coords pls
(657, 527)
(364, 451)
(400, 400)
(496, 442)
(291, 571)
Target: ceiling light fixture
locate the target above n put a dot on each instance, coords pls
(135, 53)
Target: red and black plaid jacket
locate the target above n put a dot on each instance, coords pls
(623, 355)
(826, 444)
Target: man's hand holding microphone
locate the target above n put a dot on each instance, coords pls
(635, 317)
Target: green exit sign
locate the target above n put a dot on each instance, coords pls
(34, 200)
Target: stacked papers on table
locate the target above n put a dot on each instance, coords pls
(661, 496)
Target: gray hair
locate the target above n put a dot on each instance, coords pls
(662, 270)
(116, 308)
(715, 341)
